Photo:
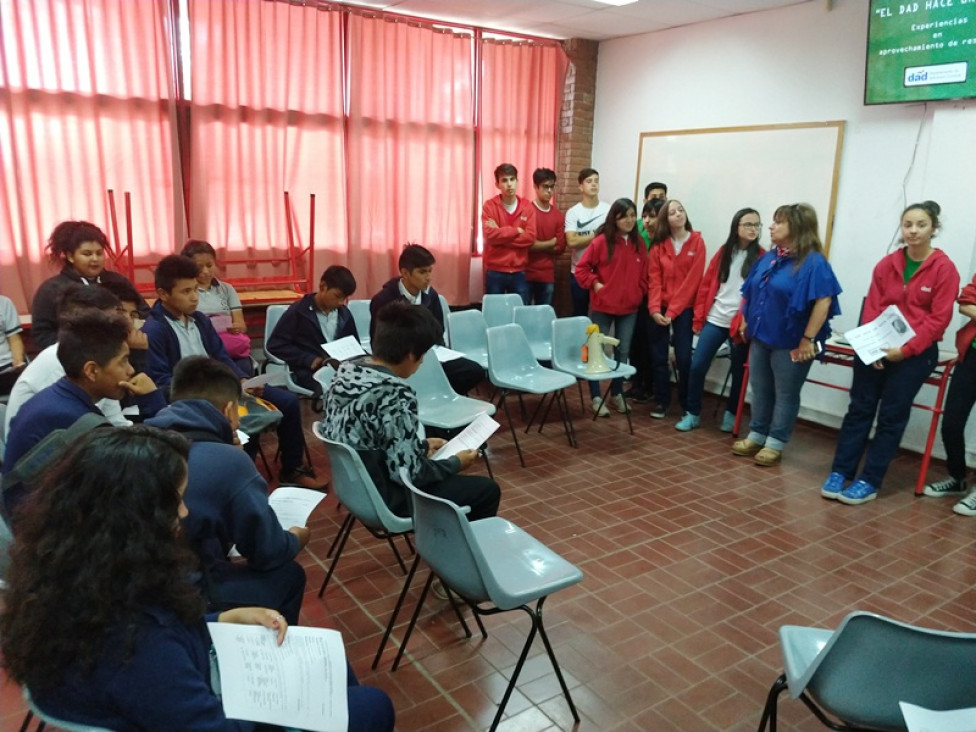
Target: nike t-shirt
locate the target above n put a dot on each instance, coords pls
(584, 220)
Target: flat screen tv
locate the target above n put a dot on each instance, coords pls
(920, 51)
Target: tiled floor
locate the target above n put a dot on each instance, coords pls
(692, 558)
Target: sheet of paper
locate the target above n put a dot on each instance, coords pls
(272, 378)
(888, 330)
(300, 684)
(445, 354)
(293, 505)
(344, 348)
(221, 323)
(920, 719)
(474, 436)
(243, 437)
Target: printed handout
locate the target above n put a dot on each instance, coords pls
(872, 340)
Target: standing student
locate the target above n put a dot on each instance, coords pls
(922, 282)
(642, 382)
(550, 224)
(614, 269)
(789, 297)
(674, 273)
(655, 191)
(716, 306)
(508, 225)
(583, 222)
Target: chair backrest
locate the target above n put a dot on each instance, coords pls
(509, 352)
(446, 311)
(871, 663)
(324, 376)
(430, 382)
(536, 321)
(271, 317)
(362, 317)
(468, 334)
(497, 309)
(355, 489)
(568, 338)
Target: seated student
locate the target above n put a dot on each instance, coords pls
(100, 621)
(176, 330)
(92, 349)
(319, 317)
(11, 345)
(227, 497)
(370, 407)
(416, 266)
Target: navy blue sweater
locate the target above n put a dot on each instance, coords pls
(297, 338)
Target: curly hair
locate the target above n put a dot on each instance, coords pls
(97, 543)
(69, 235)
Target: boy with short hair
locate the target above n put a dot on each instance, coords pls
(583, 222)
(319, 317)
(508, 225)
(550, 239)
(228, 499)
(176, 330)
(416, 265)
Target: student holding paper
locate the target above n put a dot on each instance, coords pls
(102, 625)
(922, 283)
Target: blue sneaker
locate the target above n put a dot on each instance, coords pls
(688, 422)
(833, 486)
(858, 492)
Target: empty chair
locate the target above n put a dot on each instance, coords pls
(273, 363)
(513, 368)
(861, 671)
(568, 338)
(489, 562)
(469, 335)
(536, 321)
(498, 309)
(362, 317)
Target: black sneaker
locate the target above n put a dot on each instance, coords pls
(637, 395)
(945, 487)
(659, 412)
(304, 477)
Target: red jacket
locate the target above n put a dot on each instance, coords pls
(505, 249)
(542, 263)
(926, 301)
(673, 279)
(708, 289)
(966, 334)
(624, 277)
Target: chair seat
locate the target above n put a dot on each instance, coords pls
(541, 351)
(449, 415)
(536, 381)
(524, 568)
(578, 369)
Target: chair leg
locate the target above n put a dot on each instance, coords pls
(457, 610)
(535, 413)
(347, 525)
(552, 659)
(517, 670)
(264, 458)
(396, 611)
(567, 418)
(406, 539)
(511, 426)
(396, 553)
(772, 699)
(413, 620)
(27, 721)
(579, 385)
(484, 454)
(338, 534)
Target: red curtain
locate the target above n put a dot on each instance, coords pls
(81, 113)
(410, 146)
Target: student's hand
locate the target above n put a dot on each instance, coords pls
(254, 390)
(235, 329)
(806, 351)
(434, 444)
(491, 224)
(661, 319)
(467, 458)
(137, 340)
(139, 385)
(521, 231)
(317, 363)
(598, 286)
(894, 355)
(742, 328)
(256, 616)
(303, 533)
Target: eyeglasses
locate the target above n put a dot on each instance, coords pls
(744, 225)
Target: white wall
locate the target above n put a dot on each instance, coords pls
(801, 63)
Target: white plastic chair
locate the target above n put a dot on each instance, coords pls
(490, 561)
(362, 317)
(860, 672)
(469, 335)
(272, 363)
(536, 321)
(446, 312)
(568, 337)
(513, 368)
(497, 309)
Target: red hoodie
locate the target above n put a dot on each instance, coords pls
(673, 279)
(505, 249)
(624, 277)
(926, 301)
(708, 289)
(966, 334)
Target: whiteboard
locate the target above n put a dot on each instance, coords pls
(715, 172)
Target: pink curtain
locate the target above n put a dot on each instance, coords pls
(81, 113)
(266, 117)
(410, 150)
(521, 97)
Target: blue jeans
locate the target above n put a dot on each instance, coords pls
(291, 433)
(710, 340)
(502, 283)
(540, 293)
(889, 393)
(660, 338)
(776, 383)
(623, 330)
(580, 296)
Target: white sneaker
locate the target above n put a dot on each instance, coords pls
(620, 404)
(599, 408)
(967, 506)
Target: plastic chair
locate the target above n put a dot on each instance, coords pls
(489, 561)
(362, 317)
(513, 368)
(568, 337)
(272, 362)
(44, 719)
(469, 335)
(536, 321)
(446, 312)
(861, 671)
(498, 309)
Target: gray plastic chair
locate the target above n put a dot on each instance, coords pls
(272, 363)
(489, 562)
(513, 368)
(44, 719)
(536, 321)
(438, 404)
(362, 317)
(469, 335)
(861, 671)
(498, 309)
(446, 312)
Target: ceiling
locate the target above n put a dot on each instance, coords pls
(575, 18)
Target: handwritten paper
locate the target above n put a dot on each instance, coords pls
(293, 505)
(474, 436)
(300, 684)
(445, 354)
(889, 330)
(920, 719)
(344, 348)
(272, 378)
